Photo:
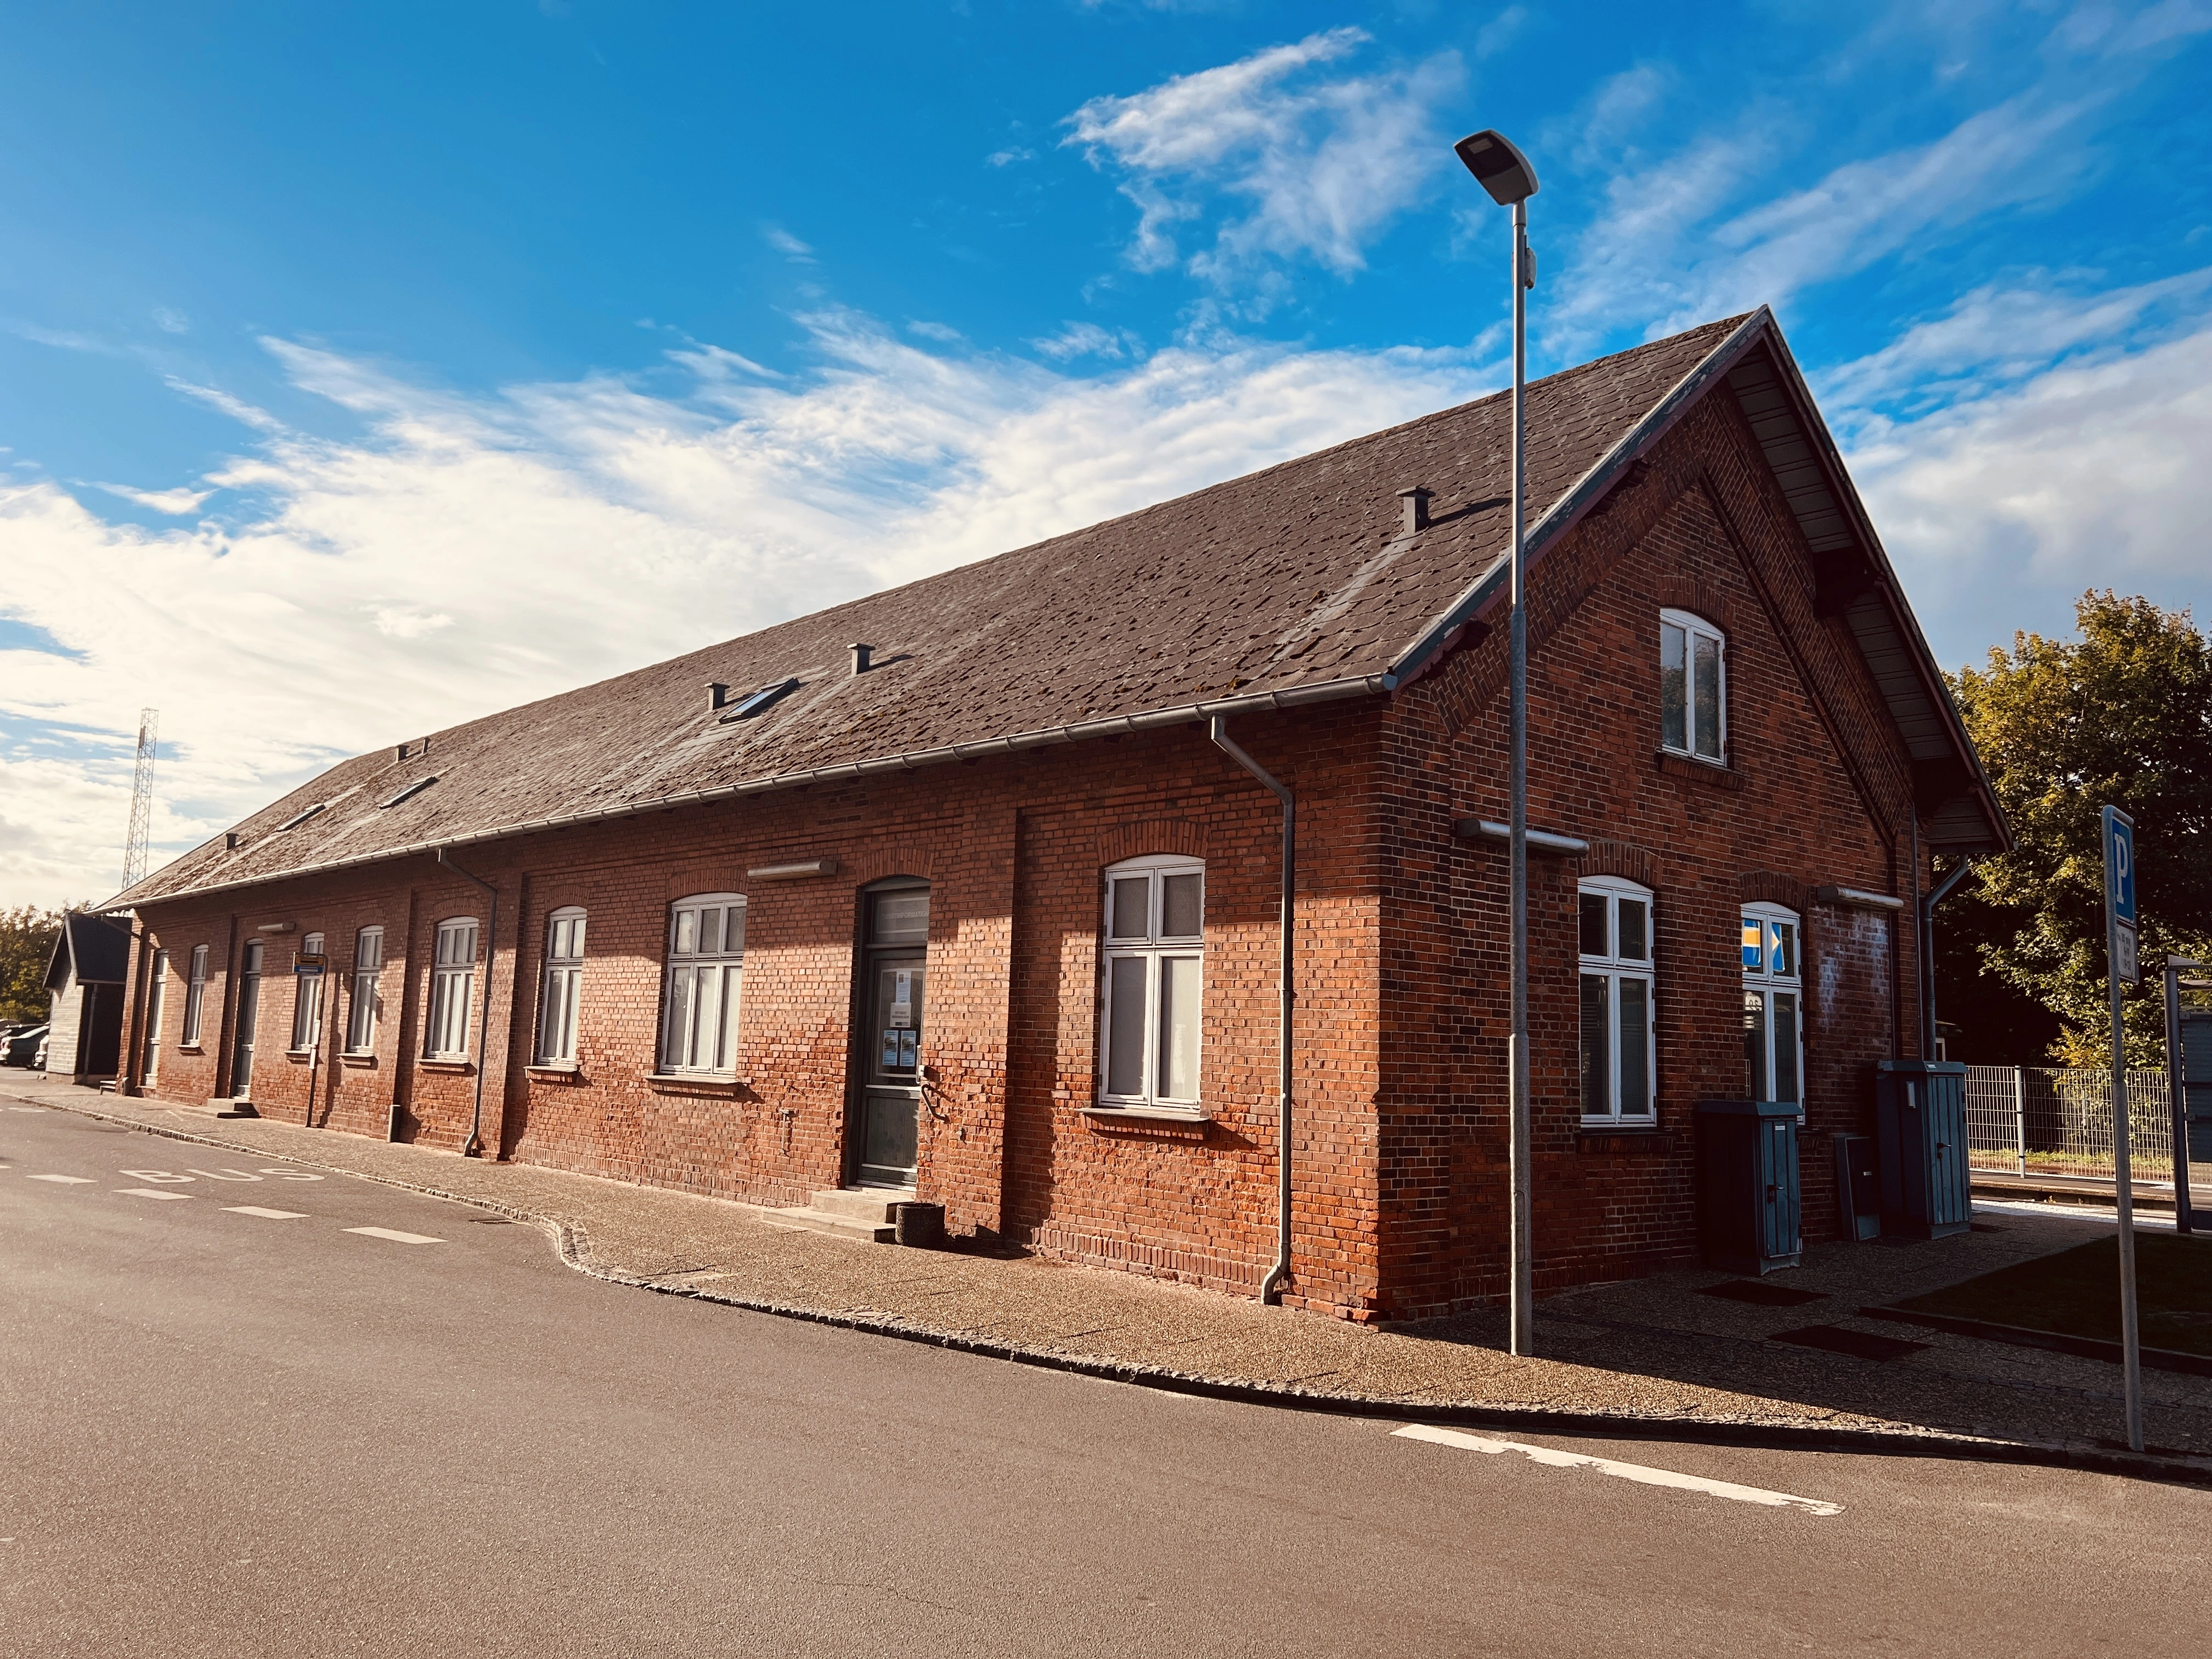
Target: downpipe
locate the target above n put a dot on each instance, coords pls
(1271, 1288)
(474, 1146)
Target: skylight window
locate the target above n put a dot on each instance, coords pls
(409, 793)
(299, 818)
(761, 700)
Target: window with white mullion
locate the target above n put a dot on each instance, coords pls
(1618, 986)
(1153, 982)
(1693, 687)
(368, 968)
(706, 964)
(1774, 1004)
(307, 999)
(195, 997)
(564, 986)
(452, 984)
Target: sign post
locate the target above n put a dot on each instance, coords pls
(2120, 968)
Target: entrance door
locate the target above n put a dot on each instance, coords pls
(889, 1061)
(249, 1018)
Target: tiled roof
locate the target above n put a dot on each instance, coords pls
(1288, 583)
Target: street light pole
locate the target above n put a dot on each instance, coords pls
(1505, 172)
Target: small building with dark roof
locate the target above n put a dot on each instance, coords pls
(972, 890)
(84, 986)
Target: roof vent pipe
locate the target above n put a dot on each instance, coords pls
(1414, 502)
(718, 696)
(860, 663)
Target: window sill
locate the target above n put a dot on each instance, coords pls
(299, 1056)
(1718, 774)
(694, 1083)
(190, 1049)
(460, 1067)
(1162, 1122)
(553, 1069)
(1647, 1140)
(356, 1059)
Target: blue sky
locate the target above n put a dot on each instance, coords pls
(363, 369)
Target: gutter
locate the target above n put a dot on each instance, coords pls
(1043, 737)
(1271, 1288)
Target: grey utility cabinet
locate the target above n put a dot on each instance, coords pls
(2197, 1082)
(1749, 1207)
(1920, 1131)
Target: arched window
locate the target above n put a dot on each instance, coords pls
(1693, 687)
(367, 966)
(307, 997)
(1153, 982)
(1773, 1003)
(699, 1004)
(1619, 1051)
(563, 989)
(195, 997)
(452, 979)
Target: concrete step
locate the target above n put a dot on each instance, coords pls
(863, 1213)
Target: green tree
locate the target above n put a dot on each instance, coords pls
(2121, 715)
(27, 945)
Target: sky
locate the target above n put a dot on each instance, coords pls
(366, 368)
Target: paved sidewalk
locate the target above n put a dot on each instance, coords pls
(1656, 1351)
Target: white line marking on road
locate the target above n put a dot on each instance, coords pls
(1553, 1458)
(149, 1192)
(266, 1215)
(66, 1181)
(27, 1109)
(397, 1238)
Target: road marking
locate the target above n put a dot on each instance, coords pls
(1553, 1458)
(27, 1109)
(149, 1192)
(66, 1181)
(397, 1238)
(266, 1215)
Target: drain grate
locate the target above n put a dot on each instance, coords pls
(1760, 1294)
(1859, 1345)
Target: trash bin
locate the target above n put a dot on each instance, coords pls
(1858, 1187)
(1920, 1125)
(1748, 1201)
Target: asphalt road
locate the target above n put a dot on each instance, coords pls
(230, 1433)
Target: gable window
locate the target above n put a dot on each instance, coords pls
(452, 979)
(1619, 1048)
(564, 987)
(706, 960)
(1773, 1000)
(368, 965)
(195, 997)
(1154, 975)
(1693, 687)
(307, 999)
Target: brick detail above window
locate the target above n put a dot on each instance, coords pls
(1619, 857)
(1148, 836)
(1697, 771)
(1764, 887)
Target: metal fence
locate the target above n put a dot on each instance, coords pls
(2058, 1120)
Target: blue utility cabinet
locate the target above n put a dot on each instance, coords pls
(1920, 1131)
(1749, 1205)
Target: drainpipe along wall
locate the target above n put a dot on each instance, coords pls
(474, 1148)
(1271, 1288)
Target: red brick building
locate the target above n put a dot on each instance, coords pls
(985, 911)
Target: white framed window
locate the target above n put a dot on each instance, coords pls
(195, 997)
(1620, 1045)
(563, 989)
(1153, 982)
(699, 1003)
(157, 996)
(368, 969)
(306, 998)
(1773, 1003)
(453, 981)
(1693, 687)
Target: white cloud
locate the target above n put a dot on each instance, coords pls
(217, 398)
(944, 332)
(799, 253)
(2000, 510)
(472, 553)
(1008, 156)
(175, 502)
(1078, 340)
(1295, 166)
(171, 321)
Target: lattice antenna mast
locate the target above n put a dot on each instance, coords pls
(141, 800)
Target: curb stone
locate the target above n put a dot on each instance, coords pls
(572, 1244)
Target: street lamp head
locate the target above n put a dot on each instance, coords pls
(1498, 166)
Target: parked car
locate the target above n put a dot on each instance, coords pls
(24, 1048)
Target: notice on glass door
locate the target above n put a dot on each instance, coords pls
(901, 999)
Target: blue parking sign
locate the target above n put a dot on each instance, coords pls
(2120, 866)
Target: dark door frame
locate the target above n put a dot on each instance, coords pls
(865, 955)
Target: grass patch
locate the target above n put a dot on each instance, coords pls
(2077, 1292)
